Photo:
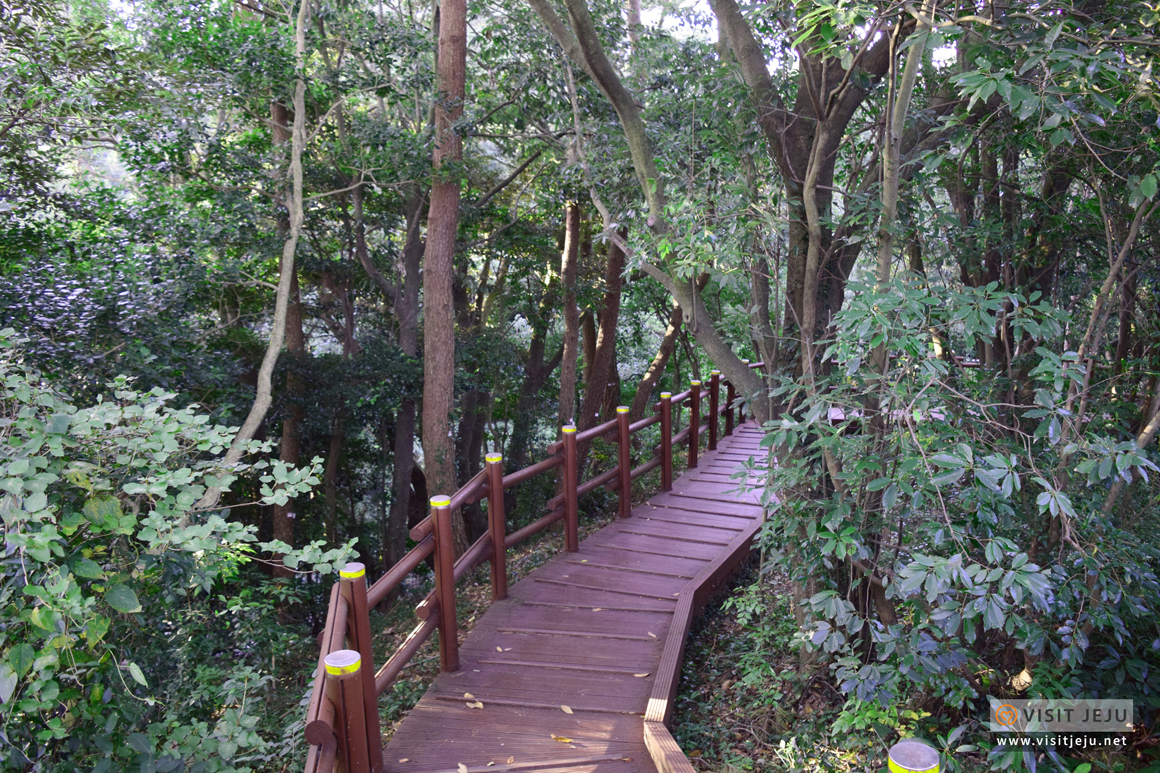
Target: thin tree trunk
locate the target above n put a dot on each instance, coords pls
(568, 271)
(263, 395)
(438, 262)
(604, 349)
(291, 446)
(643, 397)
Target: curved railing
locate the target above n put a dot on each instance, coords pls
(342, 720)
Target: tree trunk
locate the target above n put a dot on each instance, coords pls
(291, 445)
(438, 260)
(407, 313)
(263, 395)
(604, 348)
(568, 271)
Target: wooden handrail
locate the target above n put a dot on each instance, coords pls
(330, 713)
(470, 492)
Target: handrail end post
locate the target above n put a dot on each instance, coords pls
(571, 497)
(445, 583)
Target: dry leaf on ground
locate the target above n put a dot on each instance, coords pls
(567, 709)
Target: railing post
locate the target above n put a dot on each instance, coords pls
(666, 441)
(741, 414)
(497, 525)
(354, 588)
(445, 583)
(694, 422)
(730, 396)
(625, 461)
(344, 685)
(714, 407)
(571, 516)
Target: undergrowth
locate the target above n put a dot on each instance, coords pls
(746, 705)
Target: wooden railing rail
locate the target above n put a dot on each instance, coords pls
(342, 719)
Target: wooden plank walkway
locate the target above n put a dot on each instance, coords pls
(591, 631)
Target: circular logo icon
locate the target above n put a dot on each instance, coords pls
(1006, 715)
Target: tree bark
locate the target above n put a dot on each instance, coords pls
(536, 372)
(263, 395)
(568, 271)
(407, 313)
(290, 449)
(604, 350)
(643, 397)
(438, 260)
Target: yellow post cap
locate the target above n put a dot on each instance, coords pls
(912, 757)
(343, 662)
(622, 409)
(569, 429)
(715, 373)
(352, 571)
(440, 501)
(746, 361)
(666, 395)
(695, 383)
(493, 458)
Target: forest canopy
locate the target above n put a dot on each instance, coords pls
(274, 273)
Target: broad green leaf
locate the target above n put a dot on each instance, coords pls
(96, 630)
(21, 657)
(88, 568)
(8, 681)
(123, 599)
(139, 677)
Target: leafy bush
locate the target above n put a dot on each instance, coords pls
(106, 565)
(959, 523)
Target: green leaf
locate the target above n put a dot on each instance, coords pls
(139, 677)
(946, 460)
(8, 680)
(88, 568)
(947, 477)
(21, 657)
(1049, 41)
(103, 510)
(1148, 186)
(123, 599)
(140, 743)
(96, 630)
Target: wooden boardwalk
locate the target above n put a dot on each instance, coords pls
(600, 631)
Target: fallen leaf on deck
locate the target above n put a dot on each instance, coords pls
(476, 705)
(462, 768)
(561, 739)
(650, 633)
(491, 763)
(596, 609)
(641, 676)
(499, 649)
(405, 759)
(469, 696)
(511, 760)
(583, 560)
(567, 709)
(626, 759)
(507, 649)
